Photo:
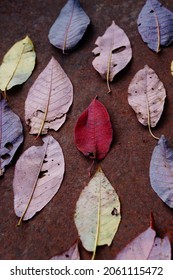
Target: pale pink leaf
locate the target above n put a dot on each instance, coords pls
(161, 249)
(37, 178)
(139, 248)
(71, 254)
(49, 99)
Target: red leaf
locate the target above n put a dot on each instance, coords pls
(93, 131)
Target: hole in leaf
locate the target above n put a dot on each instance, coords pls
(42, 174)
(114, 212)
(120, 49)
(152, 88)
(139, 24)
(9, 146)
(44, 161)
(67, 255)
(97, 54)
(115, 65)
(91, 155)
(5, 156)
(151, 11)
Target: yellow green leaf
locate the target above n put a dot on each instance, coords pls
(18, 64)
(97, 214)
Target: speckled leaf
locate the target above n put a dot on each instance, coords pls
(11, 134)
(69, 27)
(71, 254)
(93, 131)
(155, 25)
(161, 249)
(18, 64)
(97, 214)
(49, 99)
(146, 95)
(37, 178)
(139, 248)
(161, 171)
(113, 53)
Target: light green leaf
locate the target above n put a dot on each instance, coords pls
(18, 64)
(97, 214)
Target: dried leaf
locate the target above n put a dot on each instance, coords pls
(97, 214)
(161, 249)
(71, 254)
(38, 176)
(11, 134)
(139, 248)
(49, 99)
(147, 96)
(113, 53)
(69, 27)
(146, 246)
(161, 171)
(155, 25)
(93, 131)
(18, 64)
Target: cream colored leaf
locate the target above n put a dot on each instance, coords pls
(147, 96)
(71, 254)
(18, 64)
(113, 52)
(97, 214)
(37, 178)
(48, 99)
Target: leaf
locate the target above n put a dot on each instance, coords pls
(161, 249)
(18, 64)
(37, 178)
(11, 134)
(155, 25)
(139, 248)
(146, 246)
(97, 214)
(93, 131)
(147, 96)
(161, 171)
(71, 254)
(113, 53)
(69, 27)
(49, 99)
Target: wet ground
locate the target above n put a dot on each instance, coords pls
(53, 231)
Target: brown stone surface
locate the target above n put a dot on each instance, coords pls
(52, 230)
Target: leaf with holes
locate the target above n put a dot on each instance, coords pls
(155, 25)
(93, 131)
(69, 27)
(71, 254)
(97, 214)
(161, 171)
(37, 178)
(18, 64)
(113, 53)
(146, 246)
(11, 134)
(49, 99)
(146, 95)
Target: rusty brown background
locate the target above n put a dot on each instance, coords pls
(53, 231)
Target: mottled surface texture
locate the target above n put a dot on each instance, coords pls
(52, 231)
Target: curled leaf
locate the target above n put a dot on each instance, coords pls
(49, 99)
(161, 171)
(113, 53)
(37, 178)
(71, 254)
(11, 134)
(93, 131)
(146, 95)
(69, 27)
(18, 64)
(155, 25)
(97, 214)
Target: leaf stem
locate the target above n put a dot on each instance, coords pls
(149, 122)
(98, 219)
(108, 72)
